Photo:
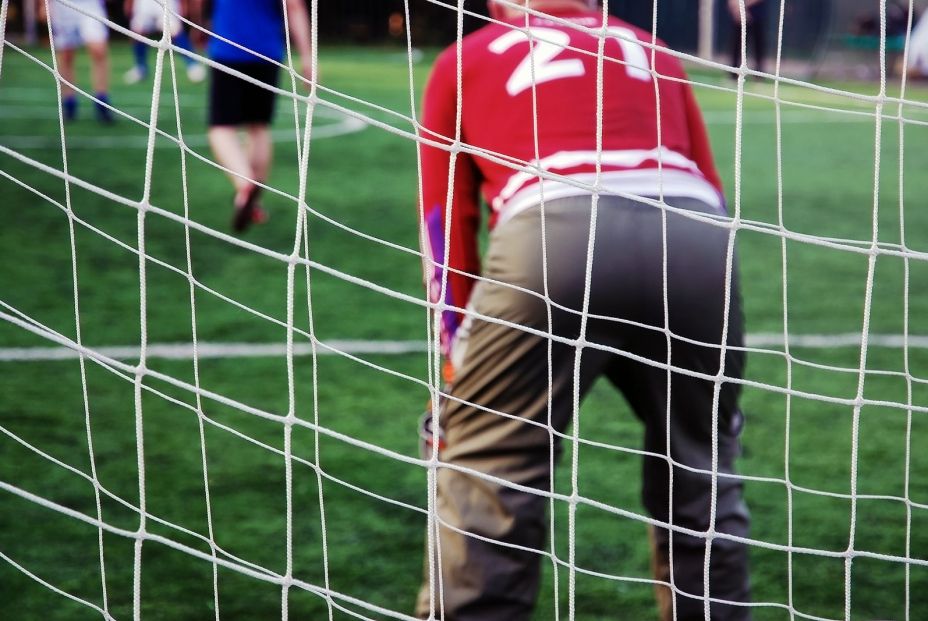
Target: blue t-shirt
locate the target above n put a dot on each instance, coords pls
(258, 25)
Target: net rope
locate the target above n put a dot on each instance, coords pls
(867, 108)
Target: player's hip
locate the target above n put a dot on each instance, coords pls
(71, 28)
(80, 12)
(635, 172)
(638, 259)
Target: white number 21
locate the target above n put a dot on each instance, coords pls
(548, 43)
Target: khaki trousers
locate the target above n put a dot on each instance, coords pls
(515, 387)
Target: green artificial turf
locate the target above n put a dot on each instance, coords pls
(799, 453)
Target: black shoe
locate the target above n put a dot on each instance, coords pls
(245, 214)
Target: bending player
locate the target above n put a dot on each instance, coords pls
(241, 111)
(634, 284)
(71, 28)
(146, 17)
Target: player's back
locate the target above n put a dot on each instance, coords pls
(496, 60)
(508, 103)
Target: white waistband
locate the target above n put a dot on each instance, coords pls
(648, 182)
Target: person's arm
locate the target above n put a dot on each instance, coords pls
(463, 260)
(127, 8)
(734, 7)
(301, 35)
(735, 10)
(195, 13)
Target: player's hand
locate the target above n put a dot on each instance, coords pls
(127, 8)
(428, 433)
(447, 372)
(42, 14)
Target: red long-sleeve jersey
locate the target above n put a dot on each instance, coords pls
(535, 131)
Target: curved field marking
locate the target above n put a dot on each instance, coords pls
(343, 125)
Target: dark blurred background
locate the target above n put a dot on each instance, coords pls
(433, 23)
(809, 24)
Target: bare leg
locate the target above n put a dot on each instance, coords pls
(99, 75)
(66, 69)
(260, 151)
(231, 154)
(236, 158)
(99, 66)
(260, 154)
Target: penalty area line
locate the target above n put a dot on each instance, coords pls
(185, 351)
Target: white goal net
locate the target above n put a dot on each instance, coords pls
(196, 423)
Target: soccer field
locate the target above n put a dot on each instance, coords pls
(334, 506)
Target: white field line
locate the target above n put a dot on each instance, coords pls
(788, 117)
(25, 111)
(184, 351)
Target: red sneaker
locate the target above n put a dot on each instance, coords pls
(258, 215)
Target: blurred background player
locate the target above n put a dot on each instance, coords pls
(918, 48)
(70, 29)
(755, 24)
(146, 17)
(240, 111)
(659, 291)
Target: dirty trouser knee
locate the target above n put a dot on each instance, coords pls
(499, 422)
(492, 533)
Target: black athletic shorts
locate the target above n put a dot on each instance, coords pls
(234, 101)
